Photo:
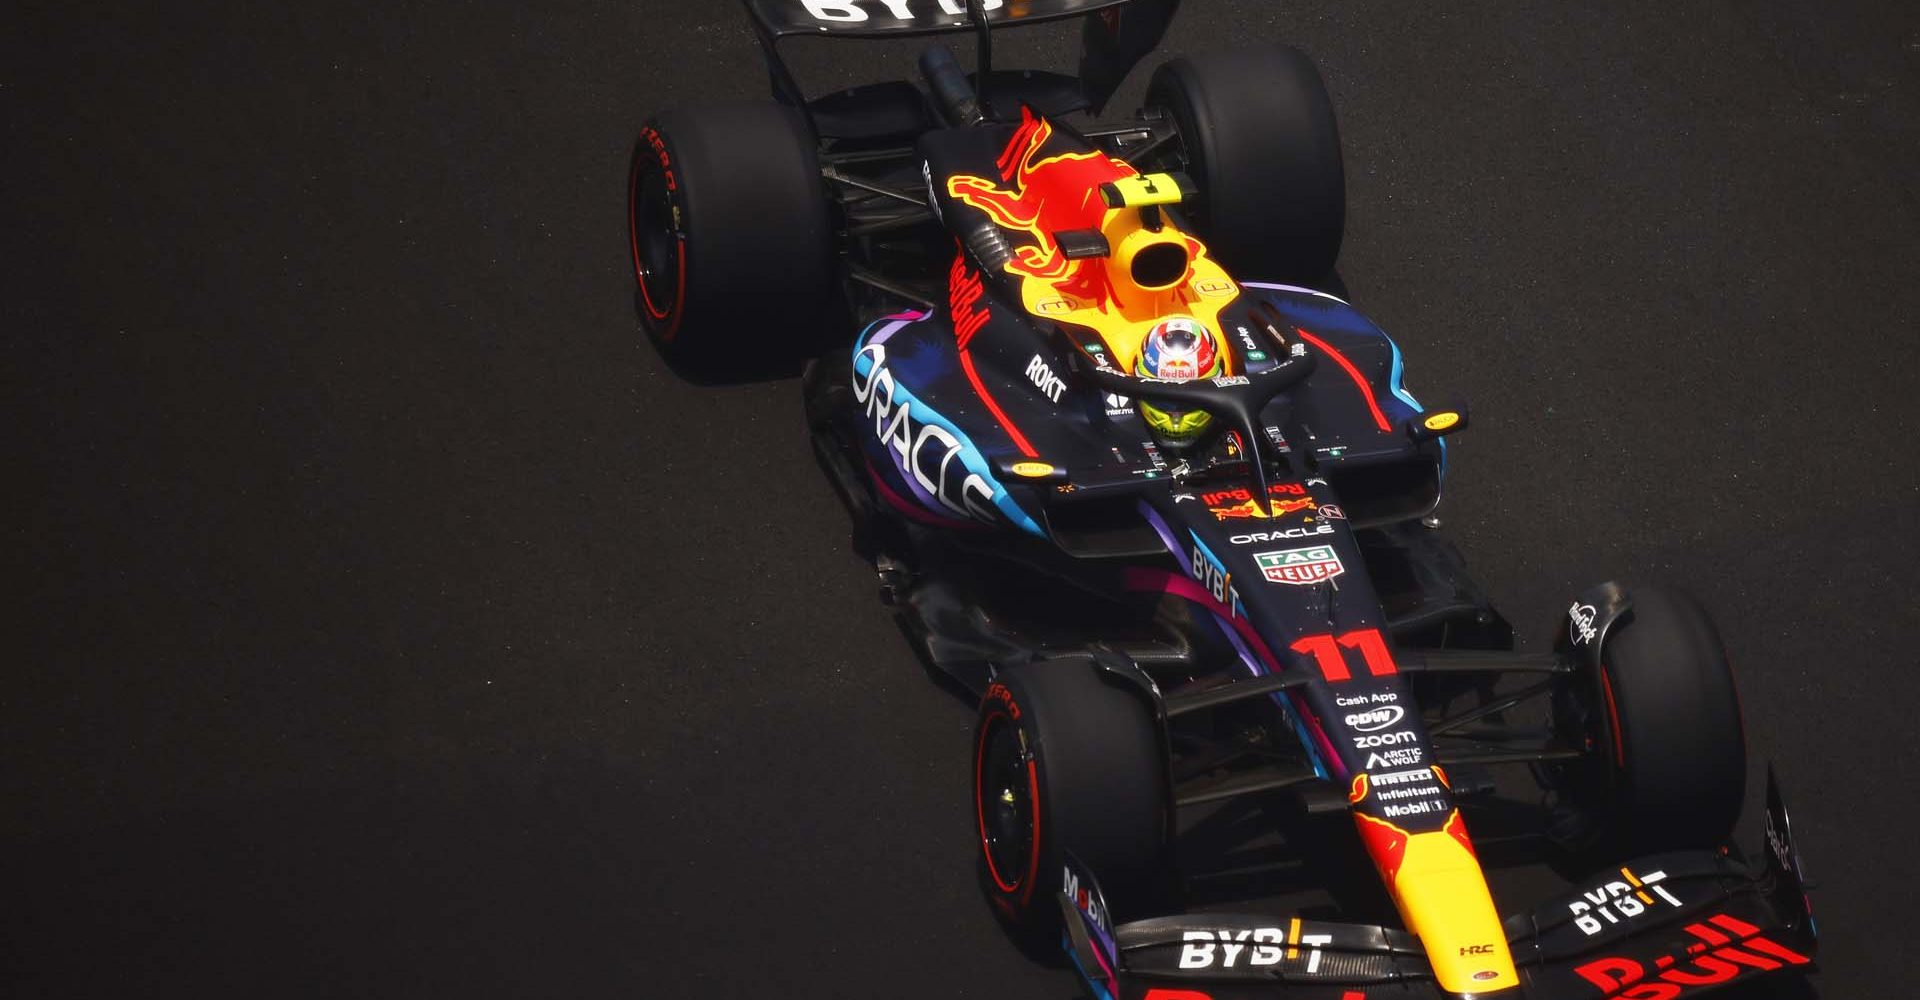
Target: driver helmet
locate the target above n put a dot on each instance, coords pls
(1178, 350)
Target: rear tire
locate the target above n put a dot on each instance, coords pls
(730, 240)
(1669, 762)
(1257, 133)
(1068, 760)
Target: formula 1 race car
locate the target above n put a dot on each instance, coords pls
(1135, 474)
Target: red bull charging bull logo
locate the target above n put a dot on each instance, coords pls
(1049, 195)
(1251, 509)
(1237, 503)
(1041, 197)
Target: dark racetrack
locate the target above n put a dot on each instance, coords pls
(388, 621)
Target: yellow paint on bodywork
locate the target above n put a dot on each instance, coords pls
(1044, 196)
(1124, 317)
(1147, 189)
(1442, 895)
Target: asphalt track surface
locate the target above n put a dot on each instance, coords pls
(387, 621)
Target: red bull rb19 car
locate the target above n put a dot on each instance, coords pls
(1138, 478)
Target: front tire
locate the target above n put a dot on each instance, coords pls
(1066, 760)
(1257, 132)
(1659, 710)
(730, 240)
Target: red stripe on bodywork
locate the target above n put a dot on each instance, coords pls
(1457, 828)
(1366, 389)
(1019, 439)
(1708, 934)
(1385, 843)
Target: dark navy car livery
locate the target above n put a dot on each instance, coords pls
(1133, 472)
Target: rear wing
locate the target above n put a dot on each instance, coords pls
(897, 18)
(1117, 34)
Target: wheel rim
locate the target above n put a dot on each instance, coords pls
(1584, 716)
(1173, 156)
(659, 257)
(1004, 786)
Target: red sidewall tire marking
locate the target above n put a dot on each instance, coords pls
(1613, 718)
(673, 312)
(1030, 878)
(1033, 852)
(980, 804)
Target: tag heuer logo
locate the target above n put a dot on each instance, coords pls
(1316, 564)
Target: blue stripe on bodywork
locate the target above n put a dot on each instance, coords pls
(1394, 377)
(1400, 390)
(1395, 374)
(1099, 991)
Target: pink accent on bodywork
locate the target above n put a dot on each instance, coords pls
(1333, 761)
(1159, 581)
(911, 510)
(1153, 580)
(1100, 955)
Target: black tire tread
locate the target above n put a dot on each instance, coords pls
(1680, 733)
(759, 267)
(1103, 779)
(1263, 143)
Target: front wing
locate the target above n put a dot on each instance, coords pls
(1661, 927)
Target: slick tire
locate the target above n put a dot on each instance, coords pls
(1068, 760)
(731, 244)
(1669, 763)
(1258, 136)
